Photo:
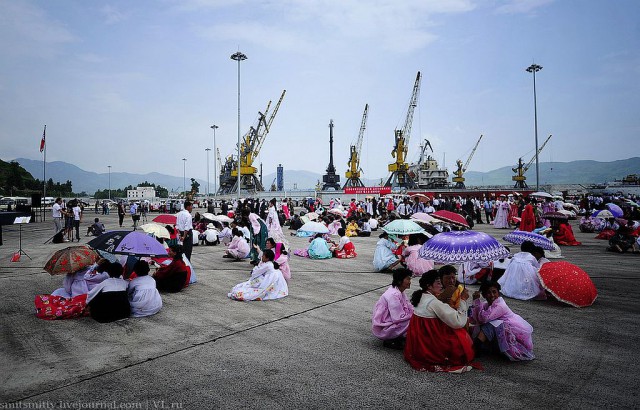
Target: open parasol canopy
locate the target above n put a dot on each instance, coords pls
(128, 243)
(71, 259)
(423, 217)
(463, 246)
(518, 237)
(208, 216)
(314, 227)
(156, 229)
(615, 210)
(554, 215)
(451, 217)
(336, 211)
(167, 219)
(222, 218)
(568, 283)
(541, 195)
(423, 197)
(603, 214)
(401, 227)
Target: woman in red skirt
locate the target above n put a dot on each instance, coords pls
(437, 340)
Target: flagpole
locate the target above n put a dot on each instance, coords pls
(44, 169)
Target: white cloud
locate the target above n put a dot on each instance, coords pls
(28, 30)
(252, 32)
(395, 26)
(521, 6)
(113, 15)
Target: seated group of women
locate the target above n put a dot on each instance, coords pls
(101, 292)
(108, 292)
(322, 247)
(434, 329)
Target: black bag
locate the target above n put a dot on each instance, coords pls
(59, 237)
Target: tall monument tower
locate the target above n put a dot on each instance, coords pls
(331, 180)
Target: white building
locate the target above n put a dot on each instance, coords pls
(141, 192)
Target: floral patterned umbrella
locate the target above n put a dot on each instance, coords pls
(517, 237)
(463, 246)
(71, 260)
(568, 283)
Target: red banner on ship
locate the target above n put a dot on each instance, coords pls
(379, 190)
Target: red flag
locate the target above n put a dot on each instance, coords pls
(43, 138)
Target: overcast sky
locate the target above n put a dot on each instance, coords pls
(137, 84)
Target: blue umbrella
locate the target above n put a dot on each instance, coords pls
(615, 210)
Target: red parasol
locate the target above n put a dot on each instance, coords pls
(71, 259)
(451, 217)
(167, 219)
(568, 283)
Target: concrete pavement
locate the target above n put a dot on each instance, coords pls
(313, 349)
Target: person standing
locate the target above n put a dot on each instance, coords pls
(184, 224)
(77, 217)
(56, 213)
(120, 213)
(133, 211)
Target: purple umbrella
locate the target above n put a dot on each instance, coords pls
(128, 243)
(463, 246)
(615, 210)
(517, 237)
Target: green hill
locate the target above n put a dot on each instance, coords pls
(16, 181)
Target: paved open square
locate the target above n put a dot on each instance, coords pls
(312, 349)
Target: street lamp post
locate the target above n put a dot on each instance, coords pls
(534, 68)
(207, 149)
(215, 170)
(109, 166)
(238, 56)
(184, 176)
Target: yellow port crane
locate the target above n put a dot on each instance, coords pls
(459, 173)
(521, 168)
(354, 171)
(400, 177)
(250, 146)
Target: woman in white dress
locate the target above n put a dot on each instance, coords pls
(520, 279)
(502, 212)
(266, 282)
(144, 298)
(273, 224)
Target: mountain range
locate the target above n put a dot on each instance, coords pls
(551, 173)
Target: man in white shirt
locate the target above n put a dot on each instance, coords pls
(77, 217)
(56, 213)
(184, 224)
(133, 211)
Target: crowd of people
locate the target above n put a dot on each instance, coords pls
(438, 327)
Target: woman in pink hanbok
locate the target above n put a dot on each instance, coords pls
(498, 327)
(502, 212)
(547, 206)
(392, 312)
(414, 262)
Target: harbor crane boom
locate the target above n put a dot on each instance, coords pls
(400, 177)
(250, 146)
(459, 173)
(521, 168)
(354, 171)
